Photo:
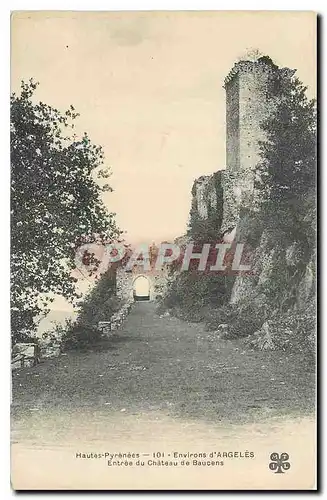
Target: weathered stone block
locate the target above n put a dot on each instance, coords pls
(104, 326)
(25, 348)
(50, 351)
(17, 363)
(25, 354)
(29, 362)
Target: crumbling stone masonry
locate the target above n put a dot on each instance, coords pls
(158, 280)
(247, 106)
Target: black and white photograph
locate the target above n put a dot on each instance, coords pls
(163, 225)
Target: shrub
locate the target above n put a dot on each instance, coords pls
(249, 319)
(80, 337)
(222, 315)
(294, 330)
(194, 294)
(243, 319)
(72, 336)
(97, 309)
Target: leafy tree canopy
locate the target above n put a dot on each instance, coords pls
(287, 171)
(57, 180)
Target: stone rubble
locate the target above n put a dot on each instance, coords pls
(25, 355)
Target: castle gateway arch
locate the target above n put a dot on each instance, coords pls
(141, 287)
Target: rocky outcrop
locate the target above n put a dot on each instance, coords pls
(282, 287)
(275, 302)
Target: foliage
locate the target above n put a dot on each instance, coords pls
(101, 302)
(56, 335)
(71, 336)
(293, 330)
(80, 337)
(285, 211)
(242, 319)
(281, 219)
(286, 182)
(287, 171)
(249, 319)
(98, 305)
(55, 203)
(192, 293)
(222, 315)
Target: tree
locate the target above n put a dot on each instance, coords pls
(287, 172)
(100, 302)
(56, 205)
(286, 184)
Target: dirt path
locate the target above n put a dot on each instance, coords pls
(168, 365)
(162, 386)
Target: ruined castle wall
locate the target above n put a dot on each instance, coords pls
(124, 284)
(200, 196)
(205, 194)
(157, 281)
(206, 191)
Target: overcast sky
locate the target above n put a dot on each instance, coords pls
(148, 87)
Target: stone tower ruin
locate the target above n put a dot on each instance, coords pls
(247, 106)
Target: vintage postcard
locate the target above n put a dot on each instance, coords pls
(163, 250)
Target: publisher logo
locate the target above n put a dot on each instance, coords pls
(279, 463)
